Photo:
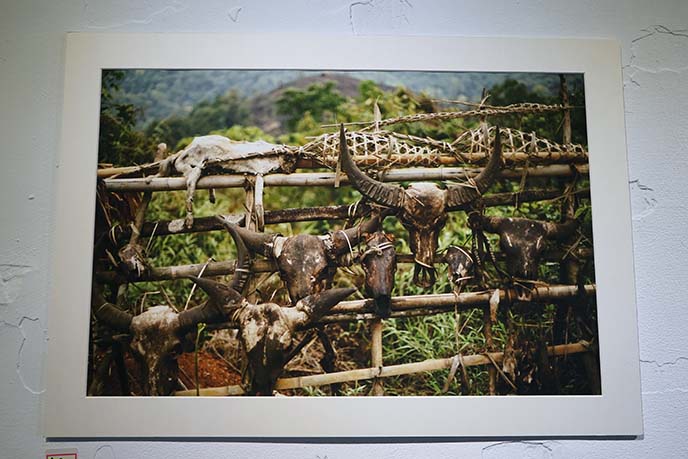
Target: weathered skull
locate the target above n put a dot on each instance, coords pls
(157, 332)
(156, 344)
(523, 240)
(379, 262)
(257, 157)
(267, 331)
(306, 262)
(422, 207)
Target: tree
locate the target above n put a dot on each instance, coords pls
(220, 113)
(321, 100)
(119, 142)
(546, 125)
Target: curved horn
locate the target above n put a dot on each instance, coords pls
(241, 273)
(257, 242)
(223, 300)
(381, 193)
(107, 312)
(114, 316)
(342, 239)
(313, 307)
(460, 195)
(560, 231)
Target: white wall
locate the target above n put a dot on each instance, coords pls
(654, 38)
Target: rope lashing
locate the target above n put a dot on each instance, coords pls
(424, 265)
(376, 249)
(348, 242)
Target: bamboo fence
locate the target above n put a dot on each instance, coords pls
(526, 156)
(377, 372)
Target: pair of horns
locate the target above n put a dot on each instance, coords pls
(223, 298)
(394, 195)
(342, 240)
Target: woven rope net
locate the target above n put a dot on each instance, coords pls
(384, 149)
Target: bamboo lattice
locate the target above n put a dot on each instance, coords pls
(380, 150)
(386, 149)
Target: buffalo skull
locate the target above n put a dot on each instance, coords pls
(157, 333)
(379, 262)
(267, 331)
(523, 240)
(305, 262)
(422, 207)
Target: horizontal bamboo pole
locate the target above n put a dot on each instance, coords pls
(434, 160)
(428, 305)
(222, 268)
(300, 382)
(441, 300)
(327, 178)
(202, 224)
(510, 157)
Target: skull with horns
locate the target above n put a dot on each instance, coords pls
(305, 261)
(157, 333)
(422, 207)
(523, 240)
(267, 331)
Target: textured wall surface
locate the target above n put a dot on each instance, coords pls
(654, 38)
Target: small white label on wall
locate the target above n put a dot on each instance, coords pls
(61, 454)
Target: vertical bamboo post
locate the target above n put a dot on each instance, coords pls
(563, 309)
(258, 207)
(489, 347)
(250, 223)
(564, 92)
(376, 354)
(487, 315)
(570, 268)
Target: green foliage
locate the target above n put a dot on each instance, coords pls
(321, 101)
(547, 125)
(119, 143)
(220, 113)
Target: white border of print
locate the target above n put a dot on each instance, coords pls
(68, 412)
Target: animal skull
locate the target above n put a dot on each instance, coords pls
(422, 207)
(305, 261)
(379, 262)
(267, 331)
(258, 157)
(157, 332)
(523, 240)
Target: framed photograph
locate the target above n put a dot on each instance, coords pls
(300, 236)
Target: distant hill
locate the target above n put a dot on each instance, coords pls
(163, 93)
(263, 106)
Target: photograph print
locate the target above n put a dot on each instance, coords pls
(342, 233)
